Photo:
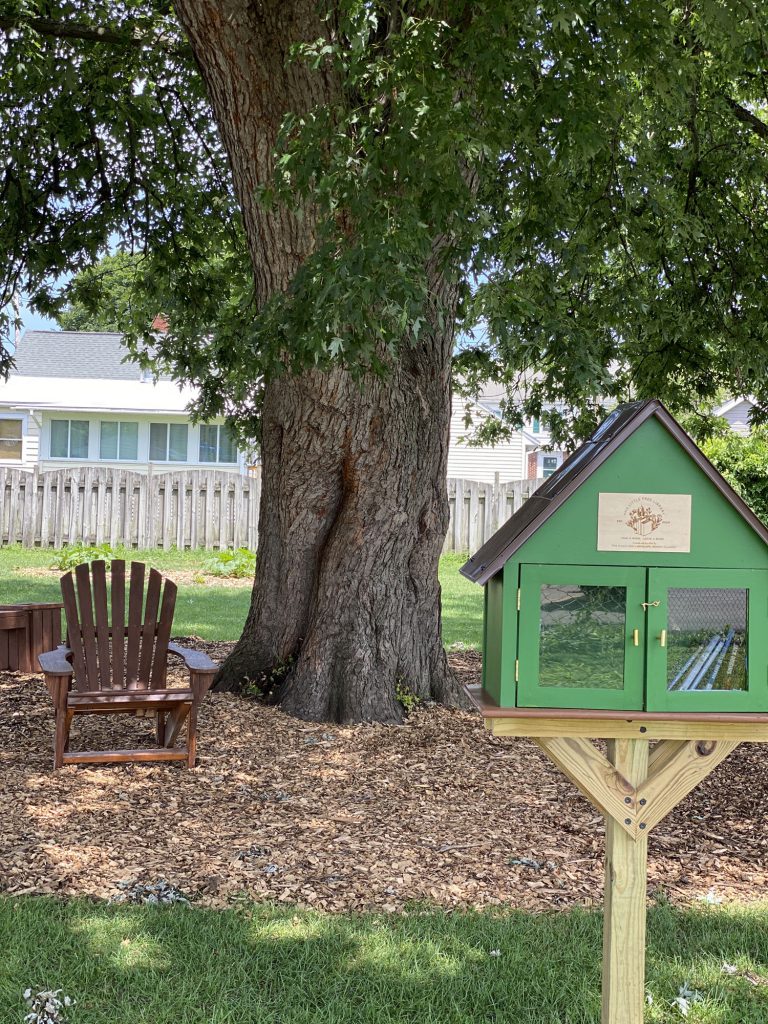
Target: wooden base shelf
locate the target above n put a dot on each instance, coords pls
(647, 725)
(113, 756)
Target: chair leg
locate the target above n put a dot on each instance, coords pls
(192, 735)
(160, 728)
(174, 723)
(70, 716)
(61, 739)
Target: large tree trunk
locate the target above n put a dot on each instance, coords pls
(354, 507)
(354, 513)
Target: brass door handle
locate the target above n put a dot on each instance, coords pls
(636, 637)
(663, 638)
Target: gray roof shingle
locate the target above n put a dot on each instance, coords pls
(73, 354)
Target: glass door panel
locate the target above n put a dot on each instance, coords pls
(581, 636)
(702, 655)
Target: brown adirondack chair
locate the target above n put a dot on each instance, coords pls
(120, 666)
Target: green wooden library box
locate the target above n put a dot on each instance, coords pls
(634, 579)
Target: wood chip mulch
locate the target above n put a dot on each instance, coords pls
(345, 818)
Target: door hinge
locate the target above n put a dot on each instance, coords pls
(518, 598)
(517, 669)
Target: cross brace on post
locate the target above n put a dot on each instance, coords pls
(634, 788)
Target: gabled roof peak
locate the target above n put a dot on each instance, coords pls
(612, 432)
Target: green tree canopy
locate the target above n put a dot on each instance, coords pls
(100, 297)
(743, 461)
(596, 172)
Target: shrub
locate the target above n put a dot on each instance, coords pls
(406, 697)
(75, 554)
(743, 461)
(238, 564)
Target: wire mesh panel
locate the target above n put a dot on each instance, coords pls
(707, 638)
(582, 638)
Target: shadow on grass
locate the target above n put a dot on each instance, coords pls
(267, 965)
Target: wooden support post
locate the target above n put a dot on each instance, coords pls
(634, 789)
(625, 887)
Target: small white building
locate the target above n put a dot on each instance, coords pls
(736, 411)
(525, 455)
(71, 400)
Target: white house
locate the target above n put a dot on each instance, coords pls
(71, 400)
(525, 455)
(736, 411)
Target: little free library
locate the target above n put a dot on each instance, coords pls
(627, 600)
(635, 579)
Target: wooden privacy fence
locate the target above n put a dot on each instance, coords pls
(192, 508)
(479, 509)
(183, 508)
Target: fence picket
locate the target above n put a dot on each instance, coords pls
(254, 500)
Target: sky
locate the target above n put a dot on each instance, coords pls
(34, 322)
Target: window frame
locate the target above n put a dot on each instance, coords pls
(167, 424)
(119, 424)
(68, 457)
(15, 418)
(755, 697)
(547, 471)
(218, 461)
(530, 693)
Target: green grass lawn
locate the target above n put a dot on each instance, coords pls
(217, 612)
(268, 965)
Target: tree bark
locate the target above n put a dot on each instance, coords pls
(354, 508)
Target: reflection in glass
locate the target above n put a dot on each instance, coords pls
(582, 636)
(78, 439)
(707, 638)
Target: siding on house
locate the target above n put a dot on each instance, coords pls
(70, 376)
(738, 416)
(483, 462)
(32, 433)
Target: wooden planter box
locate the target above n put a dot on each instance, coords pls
(27, 630)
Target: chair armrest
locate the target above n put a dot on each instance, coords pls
(202, 669)
(194, 660)
(55, 663)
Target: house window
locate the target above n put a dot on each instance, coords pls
(168, 442)
(549, 464)
(69, 439)
(10, 440)
(537, 426)
(119, 441)
(216, 444)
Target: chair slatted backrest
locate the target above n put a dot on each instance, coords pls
(108, 652)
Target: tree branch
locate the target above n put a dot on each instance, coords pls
(71, 30)
(89, 33)
(746, 117)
